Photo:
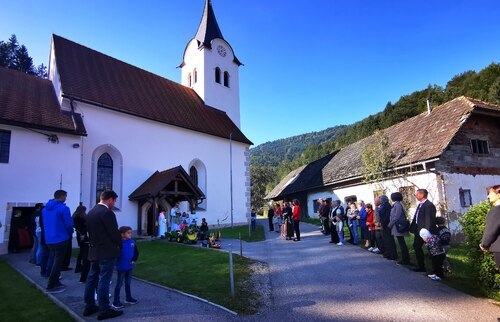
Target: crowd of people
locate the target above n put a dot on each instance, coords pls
(286, 219)
(103, 248)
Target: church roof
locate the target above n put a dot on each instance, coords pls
(30, 101)
(420, 138)
(95, 78)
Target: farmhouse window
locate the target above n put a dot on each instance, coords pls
(4, 146)
(479, 146)
(465, 197)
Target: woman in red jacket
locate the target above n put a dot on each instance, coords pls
(296, 219)
(370, 223)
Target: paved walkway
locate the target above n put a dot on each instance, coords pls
(312, 280)
(155, 303)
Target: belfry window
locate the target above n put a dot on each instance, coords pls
(217, 75)
(195, 72)
(226, 79)
(190, 82)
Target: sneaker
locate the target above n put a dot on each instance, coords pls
(375, 250)
(340, 244)
(117, 306)
(431, 276)
(131, 301)
(56, 289)
(109, 314)
(90, 311)
(436, 278)
(370, 249)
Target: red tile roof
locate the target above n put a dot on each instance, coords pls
(93, 77)
(30, 101)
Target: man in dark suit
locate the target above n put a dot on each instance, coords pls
(425, 217)
(104, 248)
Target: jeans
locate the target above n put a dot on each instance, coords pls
(34, 250)
(254, 223)
(122, 276)
(341, 236)
(363, 229)
(354, 231)
(99, 277)
(57, 251)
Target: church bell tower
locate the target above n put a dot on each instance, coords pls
(210, 67)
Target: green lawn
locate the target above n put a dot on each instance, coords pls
(22, 301)
(256, 236)
(313, 221)
(198, 271)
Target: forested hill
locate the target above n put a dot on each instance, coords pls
(274, 152)
(272, 161)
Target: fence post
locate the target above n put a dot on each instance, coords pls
(231, 275)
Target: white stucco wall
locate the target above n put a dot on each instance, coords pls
(146, 146)
(477, 184)
(34, 173)
(365, 192)
(214, 94)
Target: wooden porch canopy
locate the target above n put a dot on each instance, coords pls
(172, 184)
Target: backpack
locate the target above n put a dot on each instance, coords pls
(444, 235)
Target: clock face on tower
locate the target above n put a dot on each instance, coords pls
(221, 50)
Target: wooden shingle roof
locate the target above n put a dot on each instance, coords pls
(420, 138)
(95, 78)
(30, 101)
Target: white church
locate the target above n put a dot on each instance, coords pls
(99, 123)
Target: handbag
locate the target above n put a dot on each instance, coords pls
(403, 226)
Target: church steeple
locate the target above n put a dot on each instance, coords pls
(209, 28)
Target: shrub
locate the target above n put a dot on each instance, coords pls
(473, 223)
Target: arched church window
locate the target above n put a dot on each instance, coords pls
(104, 174)
(217, 75)
(226, 79)
(190, 80)
(193, 173)
(195, 72)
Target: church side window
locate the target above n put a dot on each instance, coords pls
(226, 79)
(4, 146)
(190, 80)
(193, 173)
(104, 174)
(195, 73)
(217, 75)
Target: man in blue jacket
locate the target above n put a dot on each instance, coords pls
(58, 228)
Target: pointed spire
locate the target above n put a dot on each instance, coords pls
(209, 28)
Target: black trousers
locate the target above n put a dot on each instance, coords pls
(379, 241)
(418, 243)
(496, 256)
(404, 249)
(67, 255)
(389, 244)
(271, 226)
(437, 264)
(326, 225)
(297, 229)
(85, 264)
(333, 233)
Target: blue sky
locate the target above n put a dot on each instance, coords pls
(309, 65)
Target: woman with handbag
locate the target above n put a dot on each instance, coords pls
(399, 226)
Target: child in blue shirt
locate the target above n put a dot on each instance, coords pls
(124, 266)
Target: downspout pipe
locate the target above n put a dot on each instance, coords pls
(81, 154)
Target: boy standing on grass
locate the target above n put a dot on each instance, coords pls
(124, 266)
(433, 243)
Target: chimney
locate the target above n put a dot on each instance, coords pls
(429, 108)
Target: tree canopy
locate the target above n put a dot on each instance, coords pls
(15, 56)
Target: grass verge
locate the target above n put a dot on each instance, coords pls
(256, 236)
(200, 272)
(313, 221)
(462, 277)
(22, 301)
